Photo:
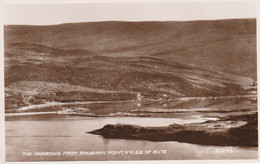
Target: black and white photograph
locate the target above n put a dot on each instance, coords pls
(130, 81)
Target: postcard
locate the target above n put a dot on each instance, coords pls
(130, 81)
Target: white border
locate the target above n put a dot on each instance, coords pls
(113, 1)
(2, 111)
(258, 69)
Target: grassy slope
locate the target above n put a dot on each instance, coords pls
(177, 58)
(195, 42)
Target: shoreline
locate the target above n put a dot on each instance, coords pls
(28, 113)
(52, 104)
(227, 131)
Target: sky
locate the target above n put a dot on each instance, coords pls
(57, 13)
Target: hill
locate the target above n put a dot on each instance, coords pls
(117, 60)
(193, 42)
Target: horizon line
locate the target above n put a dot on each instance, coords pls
(66, 23)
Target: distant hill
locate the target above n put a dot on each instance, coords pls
(223, 45)
(117, 60)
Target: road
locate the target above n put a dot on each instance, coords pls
(218, 97)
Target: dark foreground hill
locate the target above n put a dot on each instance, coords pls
(117, 60)
(230, 131)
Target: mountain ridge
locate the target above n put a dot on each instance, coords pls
(192, 42)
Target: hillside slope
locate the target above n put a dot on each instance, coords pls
(118, 60)
(208, 44)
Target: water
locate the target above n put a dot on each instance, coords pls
(60, 133)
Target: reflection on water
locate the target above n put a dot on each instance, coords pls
(59, 133)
